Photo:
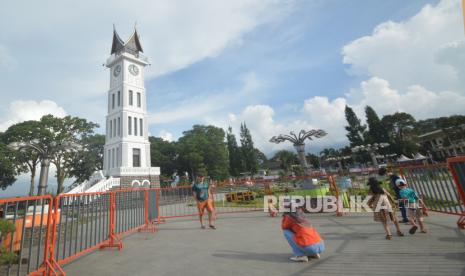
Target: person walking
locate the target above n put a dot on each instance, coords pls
(381, 202)
(392, 181)
(416, 208)
(202, 193)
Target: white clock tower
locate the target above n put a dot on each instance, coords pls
(127, 147)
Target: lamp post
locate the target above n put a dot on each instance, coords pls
(299, 143)
(45, 151)
(371, 149)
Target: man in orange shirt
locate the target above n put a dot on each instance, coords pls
(302, 237)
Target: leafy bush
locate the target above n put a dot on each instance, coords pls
(6, 228)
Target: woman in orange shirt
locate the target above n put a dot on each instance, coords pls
(302, 237)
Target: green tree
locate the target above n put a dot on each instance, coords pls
(164, 154)
(314, 160)
(355, 129)
(261, 157)
(27, 159)
(86, 162)
(69, 129)
(376, 131)
(204, 147)
(234, 153)
(8, 168)
(286, 160)
(249, 157)
(400, 127)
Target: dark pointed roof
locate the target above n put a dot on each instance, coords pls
(117, 43)
(132, 45)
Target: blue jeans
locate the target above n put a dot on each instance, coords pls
(313, 249)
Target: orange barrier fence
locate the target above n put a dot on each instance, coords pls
(457, 167)
(82, 224)
(435, 184)
(29, 243)
(50, 233)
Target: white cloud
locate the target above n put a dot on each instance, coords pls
(166, 135)
(417, 100)
(30, 110)
(321, 113)
(60, 59)
(422, 50)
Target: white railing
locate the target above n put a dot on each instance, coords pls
(84, 186)
(134, 171)
(104, 185)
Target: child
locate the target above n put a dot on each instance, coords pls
(415, 206)
(381, 201)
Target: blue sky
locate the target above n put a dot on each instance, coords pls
(276, 65)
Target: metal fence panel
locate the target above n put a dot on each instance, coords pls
(28, 244)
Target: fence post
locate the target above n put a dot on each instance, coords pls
(339, 203)
(157, 196)
(114, 241)
(50, 266)
(461, 220)
(148, 226)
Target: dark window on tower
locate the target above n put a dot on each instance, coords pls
(136, 157)
(129, 125)
(135, 126)
(138, 100)
(130, 97)
(119, 126)
(119, 98)
(141, 127)
(112, 100)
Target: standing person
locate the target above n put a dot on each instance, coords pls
(381, 201)
(415, 206)
(202, 193)
(301, 236)
(392, 181)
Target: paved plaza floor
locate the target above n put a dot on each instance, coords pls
(253, 244)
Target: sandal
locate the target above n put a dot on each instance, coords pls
(400, 234)
(202, 227)
(212, 226)
(413, 230)
(423, 231)
(388, 237)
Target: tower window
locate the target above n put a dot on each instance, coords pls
(117, 157)
(113, 158)
(108, 159)
(141, 127)
(138, 100)
(130, 97)
(113, 101)
(129, 125)
(136, 157)
(114, 127)
(119, 126)
(135, 126)
(111, 129)
(119, 98)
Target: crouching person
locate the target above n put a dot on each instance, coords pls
(302, 237)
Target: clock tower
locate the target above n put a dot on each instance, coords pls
(127, 147)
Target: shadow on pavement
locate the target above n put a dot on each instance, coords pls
(254, 256)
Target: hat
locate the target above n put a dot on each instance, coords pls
(400, 182)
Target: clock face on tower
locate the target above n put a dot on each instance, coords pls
(133, 69)
(117, 70)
